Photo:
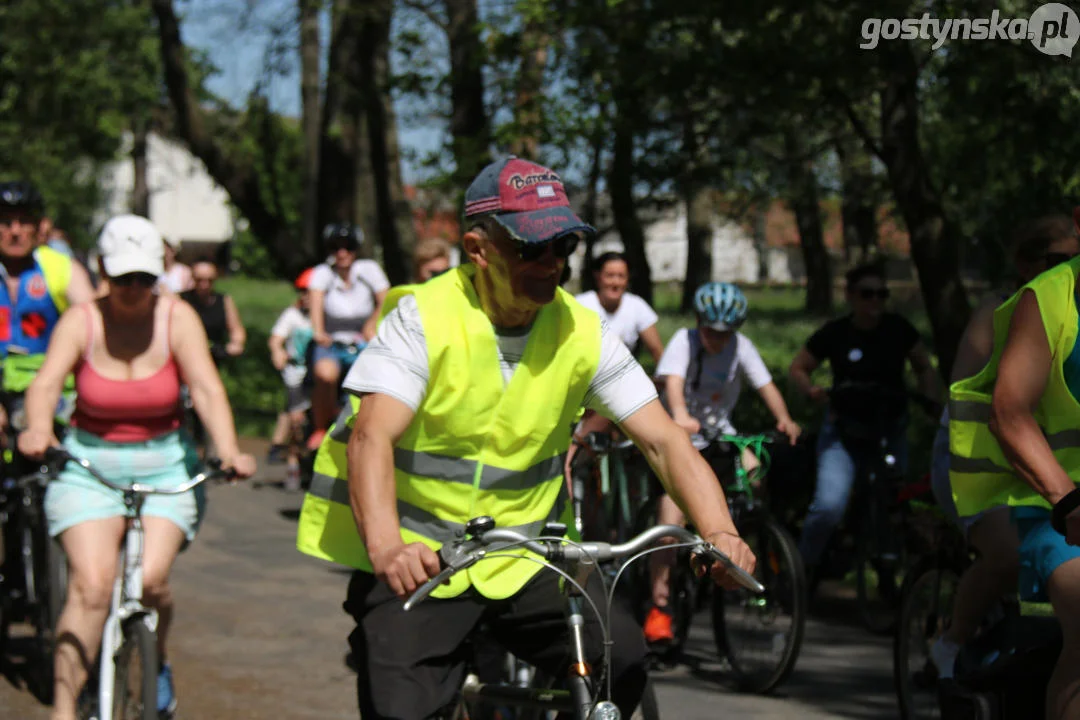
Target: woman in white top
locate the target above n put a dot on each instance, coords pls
(625, 313)
(177, 277)
(346, 298)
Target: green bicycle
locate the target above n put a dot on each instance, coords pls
(759, 634)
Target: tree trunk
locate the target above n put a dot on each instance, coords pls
(469, 128)
(624, 207)
(140, 190)
(935, 239)
(311, 106)
(857, 210)
(528, 102)
(590, 212)
(698, 217)
(385, 170)
(805, 204)
(338, 135)
(240, 181)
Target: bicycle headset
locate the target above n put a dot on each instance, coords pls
(722, 306)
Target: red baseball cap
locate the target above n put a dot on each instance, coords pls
(527, 199)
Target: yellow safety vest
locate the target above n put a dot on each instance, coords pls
(476, 446)
(980, 475)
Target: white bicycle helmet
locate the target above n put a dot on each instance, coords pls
(721, 306)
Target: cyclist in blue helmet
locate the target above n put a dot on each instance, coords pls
(703, 370)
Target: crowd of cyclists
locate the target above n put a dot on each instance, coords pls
(471, 391)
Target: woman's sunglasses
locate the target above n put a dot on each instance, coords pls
(562, 246)
(135, 279)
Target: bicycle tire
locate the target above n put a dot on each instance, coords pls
(776, 549)
(139, 644)
(914, 628)
(58, 582)
(42, 560)
(878, 610)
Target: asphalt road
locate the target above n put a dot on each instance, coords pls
(259, 633)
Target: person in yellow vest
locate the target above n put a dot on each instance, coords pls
(1038, 246)
(1014, 432)
(466, 398)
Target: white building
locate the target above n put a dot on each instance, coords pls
(735, 255)
(185, 202)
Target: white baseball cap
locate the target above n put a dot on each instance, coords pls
(129, 244)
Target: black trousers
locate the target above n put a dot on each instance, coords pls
(410, 665)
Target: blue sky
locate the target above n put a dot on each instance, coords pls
(236, 35)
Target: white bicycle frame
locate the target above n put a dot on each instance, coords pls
(126, 604)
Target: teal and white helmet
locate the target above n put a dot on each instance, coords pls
(721, 306)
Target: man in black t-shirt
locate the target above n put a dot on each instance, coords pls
(866, 351)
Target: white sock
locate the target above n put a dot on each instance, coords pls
(943, 654)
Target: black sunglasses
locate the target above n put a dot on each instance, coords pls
(871, 293)
(1057, 258)
(140, 279)
(562, 246)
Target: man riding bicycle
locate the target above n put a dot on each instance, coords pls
(1012, 433)
(39, 284)
(867, 346)
(468, 394)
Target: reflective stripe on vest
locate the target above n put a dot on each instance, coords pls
(980, 474)
(470, 450)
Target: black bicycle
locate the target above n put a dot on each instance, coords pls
(585, 689)
(33, 566)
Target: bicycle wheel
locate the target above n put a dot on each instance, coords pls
(878, 572)
(761, 634)
(925, 604)
(136, 668)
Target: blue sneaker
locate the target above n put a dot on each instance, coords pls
(166, 696)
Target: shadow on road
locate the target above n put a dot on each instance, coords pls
(24, 670)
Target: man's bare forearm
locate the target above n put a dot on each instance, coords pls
(1024, 444)
(692, 484)
(372, 493)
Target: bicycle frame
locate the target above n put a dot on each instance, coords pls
(126, 602)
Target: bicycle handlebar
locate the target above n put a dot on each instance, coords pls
(463, 554)
(60, 457)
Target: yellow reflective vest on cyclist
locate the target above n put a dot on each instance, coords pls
(476, 446)
(27, 320)
(980, 475)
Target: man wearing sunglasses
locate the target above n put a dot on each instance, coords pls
(466, 400)
(39, 284)
(866, 351)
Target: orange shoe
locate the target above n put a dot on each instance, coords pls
(658, 627)
(315, 440)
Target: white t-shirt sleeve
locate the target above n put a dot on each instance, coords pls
(676, 357)
(284, 324)
(644, 316)
(395, 362)
(620, 387)
(373, 275)
(322, 278)
(753, 367)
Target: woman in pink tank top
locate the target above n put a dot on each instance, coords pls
(128, 351)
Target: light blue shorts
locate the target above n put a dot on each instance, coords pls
(1042, 551)
(75, 497)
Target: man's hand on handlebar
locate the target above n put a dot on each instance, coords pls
(737, 550)
(322, 338)
(405, 567)
(34, 443)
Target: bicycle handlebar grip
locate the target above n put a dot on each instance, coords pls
(421, 593)
(56, 454)
(742, 577)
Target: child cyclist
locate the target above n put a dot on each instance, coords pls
(289, 340)
(702, 370)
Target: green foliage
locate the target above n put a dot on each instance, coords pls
(72, 73)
